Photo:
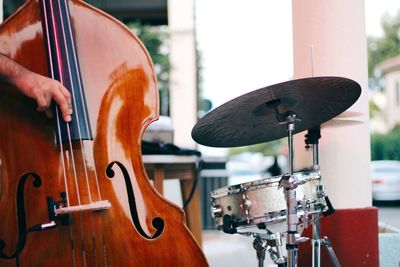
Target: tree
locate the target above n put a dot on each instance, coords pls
(386, 146)
(382, 48)
(155, 39)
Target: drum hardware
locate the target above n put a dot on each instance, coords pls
(229, 225)
(272, 243)
(311, 138)
(260, 245)
(268, 204)
(289, 183)
(245, 205)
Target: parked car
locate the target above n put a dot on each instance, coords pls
(385, 180)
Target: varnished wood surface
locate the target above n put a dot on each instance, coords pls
(122, 98)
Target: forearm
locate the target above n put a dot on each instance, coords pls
(12, 72)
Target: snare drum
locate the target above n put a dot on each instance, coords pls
(262, 202)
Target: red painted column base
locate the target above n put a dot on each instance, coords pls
(353, 234)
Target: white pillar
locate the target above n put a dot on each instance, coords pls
(183, 88)
(336, 31)
(1, 10)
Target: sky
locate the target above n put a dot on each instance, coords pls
(251, 59)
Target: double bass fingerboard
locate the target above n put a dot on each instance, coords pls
(64, 67)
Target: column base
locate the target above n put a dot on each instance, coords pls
(353, 234)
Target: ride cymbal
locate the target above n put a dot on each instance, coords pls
(251, 118)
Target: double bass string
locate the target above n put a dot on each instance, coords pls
(58, 125)
(62, 80)
(75, 61)
(66, 25)
(75, 107)
(57, 111)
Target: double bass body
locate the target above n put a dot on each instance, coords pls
(84, 199)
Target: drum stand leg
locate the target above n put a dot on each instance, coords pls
(331, 252)
(316, 244)
(316, 247)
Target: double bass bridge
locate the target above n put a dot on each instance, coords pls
(60, 209)
(94, 206)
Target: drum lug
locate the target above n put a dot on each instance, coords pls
(245, 205)
(320, 191)
(216, 211)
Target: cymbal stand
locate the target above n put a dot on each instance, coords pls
(289, 182)
(312, 137)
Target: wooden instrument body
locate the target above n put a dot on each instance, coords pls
(122, 99)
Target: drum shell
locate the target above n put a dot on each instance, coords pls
(262, 201)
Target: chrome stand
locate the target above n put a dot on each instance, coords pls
(290, 183)
(267, 243)
(312, 138)
(260, 245)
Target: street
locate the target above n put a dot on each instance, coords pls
(389, 214)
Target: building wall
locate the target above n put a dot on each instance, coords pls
(392, 94)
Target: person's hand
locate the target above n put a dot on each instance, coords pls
(36, 86)
(43, 90)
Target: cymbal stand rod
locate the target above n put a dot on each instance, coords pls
(291, 149)
(288, 182)
(316, 227)
(312, 137)
(315, 155)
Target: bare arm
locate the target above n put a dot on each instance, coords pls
(36, 86)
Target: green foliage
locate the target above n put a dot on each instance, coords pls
(380, 49)
(155, 39)
(373, 108)
(268, 149)
(386, 146)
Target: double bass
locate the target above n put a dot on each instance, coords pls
(77, 194)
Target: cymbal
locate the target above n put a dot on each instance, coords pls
(250, 119)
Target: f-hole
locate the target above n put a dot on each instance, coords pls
(157, 222)
(21, 217)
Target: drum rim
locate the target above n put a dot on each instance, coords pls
(261, 183)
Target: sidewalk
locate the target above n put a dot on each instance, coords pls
(224, 250)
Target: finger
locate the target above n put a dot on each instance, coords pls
(62, 102)
(42, 103)
(66, 94)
